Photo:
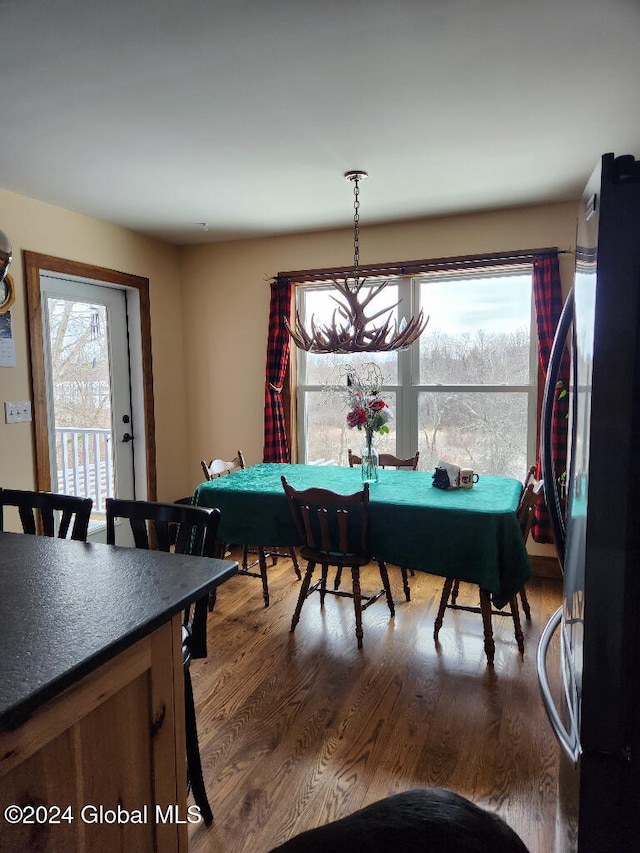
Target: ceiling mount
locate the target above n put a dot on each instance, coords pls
(356, 175)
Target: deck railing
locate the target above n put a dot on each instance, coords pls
(84, 464)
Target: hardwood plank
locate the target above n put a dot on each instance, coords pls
(298, 729)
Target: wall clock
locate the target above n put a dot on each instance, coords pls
(7, 294)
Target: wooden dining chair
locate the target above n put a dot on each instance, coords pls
(531, 494)
(334, 530)
(388, 460)
(220, 468)
(525, 515)
(48, 513)
(530, 498)
(155, 526)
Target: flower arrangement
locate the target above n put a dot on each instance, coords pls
(367, 408)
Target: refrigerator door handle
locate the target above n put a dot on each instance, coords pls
(570, 745)
(551, 495)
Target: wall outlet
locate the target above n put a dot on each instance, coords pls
(17, 413)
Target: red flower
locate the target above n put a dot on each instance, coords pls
(377, 405)
(356, 417)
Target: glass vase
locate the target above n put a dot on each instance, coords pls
(369, 460)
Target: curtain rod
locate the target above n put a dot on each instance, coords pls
(415, 267)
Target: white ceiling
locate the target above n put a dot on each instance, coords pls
(244, 114)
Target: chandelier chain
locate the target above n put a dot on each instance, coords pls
(356, 227)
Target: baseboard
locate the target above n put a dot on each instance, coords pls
(545, 567)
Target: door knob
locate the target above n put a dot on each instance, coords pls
(127, 437)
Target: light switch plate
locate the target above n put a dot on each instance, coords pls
(17, 413)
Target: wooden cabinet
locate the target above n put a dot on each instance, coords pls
(105, 759)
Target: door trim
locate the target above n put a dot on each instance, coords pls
(34, 263)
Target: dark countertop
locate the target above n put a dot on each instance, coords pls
(68, 607)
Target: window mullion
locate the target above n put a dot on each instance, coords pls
(406, 442)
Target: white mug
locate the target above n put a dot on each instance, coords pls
(467, 478)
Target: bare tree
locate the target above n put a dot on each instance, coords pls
(80, 365)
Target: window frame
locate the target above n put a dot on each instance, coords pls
(408, 390)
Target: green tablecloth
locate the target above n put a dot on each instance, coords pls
(469, 534)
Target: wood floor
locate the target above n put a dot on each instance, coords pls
(299, 729)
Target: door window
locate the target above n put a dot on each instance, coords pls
(89, 397)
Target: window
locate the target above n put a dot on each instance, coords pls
(465, 391)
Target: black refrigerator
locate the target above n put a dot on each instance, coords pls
(596, 711)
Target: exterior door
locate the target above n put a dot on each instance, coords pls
(88, 382)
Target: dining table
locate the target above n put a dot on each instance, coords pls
(468, 534)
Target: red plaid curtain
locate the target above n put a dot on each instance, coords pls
(276, 447)
(547, 295)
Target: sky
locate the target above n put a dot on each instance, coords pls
(493, 304)
(457, 306)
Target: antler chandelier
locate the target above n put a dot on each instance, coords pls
(351, 329)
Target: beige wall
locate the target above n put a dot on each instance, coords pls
(226, 303)
(209, 313)
(39, 227)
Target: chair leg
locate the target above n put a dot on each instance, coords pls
(455, 591)
(323, 583)
(405, 583)
(247, 565)
(525, 603)
(485, 607)
(194, 765)
(294, 560)
(444, 598)
(304, 589)
(513, 606)
(357, 602)
(262, 557)
(336, 583)
(387, 588)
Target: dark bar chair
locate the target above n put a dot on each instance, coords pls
(157, 526)
(42, 512)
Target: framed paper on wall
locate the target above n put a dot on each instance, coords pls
(7, 345)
